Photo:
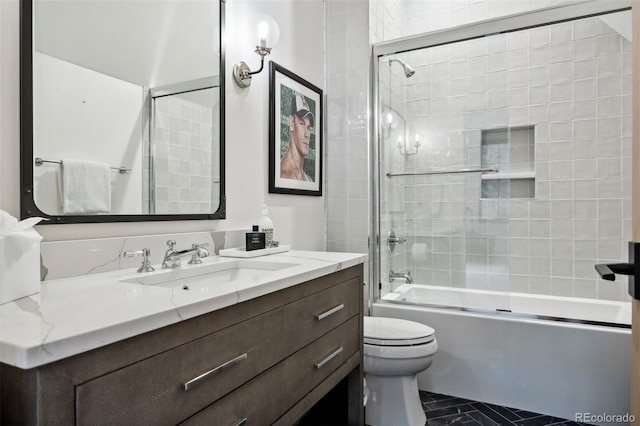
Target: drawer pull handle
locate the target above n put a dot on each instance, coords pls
(329, 312)
(329, 358)
(241, 422)
(191, 383)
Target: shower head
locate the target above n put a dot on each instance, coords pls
(408, 70)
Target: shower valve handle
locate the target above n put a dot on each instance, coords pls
(397, 240)
(608, 271)
(392, 240)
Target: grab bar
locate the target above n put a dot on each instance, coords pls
(39, 161)
(444, 172)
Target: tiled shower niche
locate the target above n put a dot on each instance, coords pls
(511, 151)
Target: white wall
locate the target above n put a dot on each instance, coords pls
(298, 220)
(9, 113)
(86, 115)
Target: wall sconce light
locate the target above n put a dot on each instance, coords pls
(388, 123)
(264, 30)
(402, 146)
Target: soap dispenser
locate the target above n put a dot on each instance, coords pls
(266, 226)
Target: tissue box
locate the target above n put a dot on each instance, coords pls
(18, 277)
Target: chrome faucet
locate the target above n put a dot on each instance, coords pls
(145, 253)
(172, 258)
(399, 275)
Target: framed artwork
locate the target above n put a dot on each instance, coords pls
(295, 134)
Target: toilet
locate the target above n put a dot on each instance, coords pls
(395, 351)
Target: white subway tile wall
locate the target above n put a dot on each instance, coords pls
(185, 150)
(580, 189)
(347, 149)
(570, 81)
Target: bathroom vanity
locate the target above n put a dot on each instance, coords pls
(258, 350)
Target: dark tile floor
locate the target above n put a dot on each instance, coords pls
(444, 410)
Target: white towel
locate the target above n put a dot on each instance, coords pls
(86, 187)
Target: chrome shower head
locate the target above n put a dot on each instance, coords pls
(408, 69)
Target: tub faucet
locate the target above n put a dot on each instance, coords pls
(172, 258)
(399, 275)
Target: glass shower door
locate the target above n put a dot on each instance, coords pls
(505, 163)
(443, 192)
(184, 151)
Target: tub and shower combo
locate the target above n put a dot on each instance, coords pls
(502, 176)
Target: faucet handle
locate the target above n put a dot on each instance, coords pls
(198, 245)
(199, 251)
(145, 252)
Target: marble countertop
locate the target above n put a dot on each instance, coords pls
(74, 315)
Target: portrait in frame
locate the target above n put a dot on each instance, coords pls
(295, 134)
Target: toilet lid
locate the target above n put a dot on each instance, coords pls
(384, 331)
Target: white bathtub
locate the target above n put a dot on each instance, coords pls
(552, 355)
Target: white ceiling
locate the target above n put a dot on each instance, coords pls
(620, 22)
(145, 42)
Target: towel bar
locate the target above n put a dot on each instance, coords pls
(445, 172)
(39, 161)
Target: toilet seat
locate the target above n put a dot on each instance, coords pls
(382, 331)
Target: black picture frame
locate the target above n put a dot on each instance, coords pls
(286, 174)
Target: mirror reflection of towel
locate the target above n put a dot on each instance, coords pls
(86, 187)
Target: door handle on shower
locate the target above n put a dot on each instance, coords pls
(608, 271)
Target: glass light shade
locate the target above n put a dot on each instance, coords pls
(264, 31)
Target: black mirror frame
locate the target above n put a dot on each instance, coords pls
(28, 206)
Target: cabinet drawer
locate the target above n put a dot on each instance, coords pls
(267, 397)
(313, 316)
(171, 386)
(153, 391)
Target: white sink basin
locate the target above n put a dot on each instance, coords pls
(197, 276)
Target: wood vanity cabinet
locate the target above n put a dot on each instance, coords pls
(269, 360)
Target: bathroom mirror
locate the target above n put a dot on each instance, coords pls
(137, 86)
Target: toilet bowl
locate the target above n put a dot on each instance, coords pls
(395, 351)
